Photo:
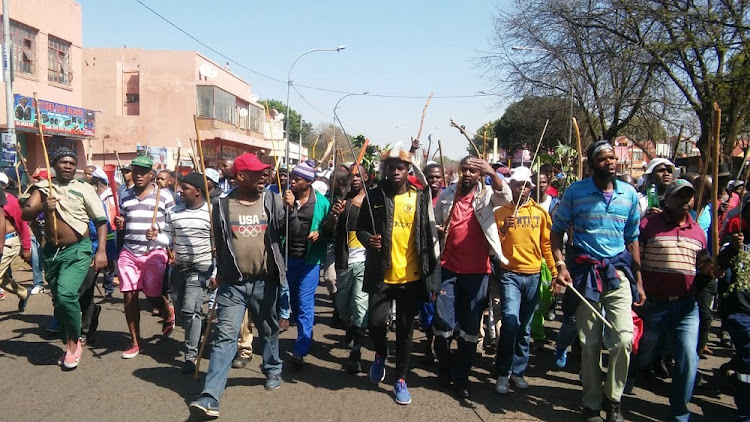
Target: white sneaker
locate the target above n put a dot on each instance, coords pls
(519, 382)
(37, 289)
(502, 384)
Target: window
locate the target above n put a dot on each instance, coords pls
(132, 98)
(59, 61)
(23, 38)
(215, 103)
(257, 115)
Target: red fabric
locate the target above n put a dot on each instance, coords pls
(249, 162)
(414, 181)
(552, 191)
(637, 331)
(735, 224)
(466, 249)
(13, 212)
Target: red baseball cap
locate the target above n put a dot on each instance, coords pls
(42, 174)
(248, 162)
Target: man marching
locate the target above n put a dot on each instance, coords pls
(143, 258)
(67, 254)
(247, 226)
(604, 262)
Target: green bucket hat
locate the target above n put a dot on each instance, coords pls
(143, 161)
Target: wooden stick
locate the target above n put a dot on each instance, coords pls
(715, 185)
(424, 111)
(579, 148)
(536, 154)
(591, 307)
(212, 312)
(46, 161)
(677, 147)
(442, 162)
(275, 147)
(463, 132)
(704, 172)
(362, 151)
(18, 178)
(484, 143)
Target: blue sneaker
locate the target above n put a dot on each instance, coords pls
(377, 370)
(401, 392)
(53, 327)
(561, 358)
(205, 407)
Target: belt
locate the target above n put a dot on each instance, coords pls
(665, 298)
(11, 235)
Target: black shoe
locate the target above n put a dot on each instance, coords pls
(612, 409)
(188, 367)
(590, 415)
(23, 302)
(354, 363)
(444, 378)
(461, 389)
(94, 325)
(297, 361)
(660, 369)
(429, 357)
(241, 361)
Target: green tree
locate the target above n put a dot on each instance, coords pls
(294, 119)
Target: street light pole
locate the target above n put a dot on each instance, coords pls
(8, 78)
(336, 117)
(288, 136)
(570, 75)
(288, 87)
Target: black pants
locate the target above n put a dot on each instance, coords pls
(706, 290)
(89, 311)
(408, 297)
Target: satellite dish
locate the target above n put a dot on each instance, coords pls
(207, 71)
(254, 98)
(243, 112)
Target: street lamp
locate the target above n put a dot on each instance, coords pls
(570, 73)
(288, 87)
(336, 117)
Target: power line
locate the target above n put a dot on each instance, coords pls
(317, 88)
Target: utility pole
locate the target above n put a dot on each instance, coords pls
(9, 137)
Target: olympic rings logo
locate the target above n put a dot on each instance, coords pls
(250, 231)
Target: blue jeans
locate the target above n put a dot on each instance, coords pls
(738, 327)
(36, 262)
(519, 294)
(672, 325)
(461, 302)
(189, 285)
(233, 300)
(303, 280)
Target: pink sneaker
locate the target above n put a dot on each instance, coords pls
(168, 326)
(72, 359)
(132, 352)
(62, 357)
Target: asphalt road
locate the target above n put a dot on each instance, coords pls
(150, 387)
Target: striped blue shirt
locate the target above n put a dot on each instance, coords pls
(602, 230)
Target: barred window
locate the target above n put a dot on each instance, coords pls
(59, 61)
(256, 115)
(215, 103)
(23, 54)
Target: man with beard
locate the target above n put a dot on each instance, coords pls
(67, 254)
(350, 299)
(672, 247)
(604, 260)
(464, 215)
(143, 258)
(400, 261)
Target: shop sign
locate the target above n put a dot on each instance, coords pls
(58, 119)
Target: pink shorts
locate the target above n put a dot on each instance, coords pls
(142, 272)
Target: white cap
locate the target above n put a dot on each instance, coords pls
(4, 178)
(212, 175)
(522, 174)
(100, 174)
(657, 162)
(320, 186)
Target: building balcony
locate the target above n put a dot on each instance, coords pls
(210, 129)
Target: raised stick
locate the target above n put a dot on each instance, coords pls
(424, 111)
(442, 162)
(18, 178)
(463, 132)
(212, 311)
(275, 146)
(46, 161)
(578, 148)
(715, 185)
(536, 154)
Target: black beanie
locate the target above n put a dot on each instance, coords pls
(194, 179)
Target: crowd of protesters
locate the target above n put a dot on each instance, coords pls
(480, 262)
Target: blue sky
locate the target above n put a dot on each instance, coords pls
(408, 48)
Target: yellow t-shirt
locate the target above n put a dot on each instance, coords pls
(404, 254)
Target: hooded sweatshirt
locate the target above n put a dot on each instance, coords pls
(528, 242)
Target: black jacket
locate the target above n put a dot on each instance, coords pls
(377, 261)
(226, 258)
(336, 229)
